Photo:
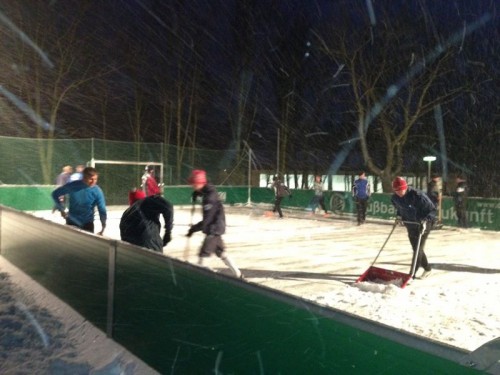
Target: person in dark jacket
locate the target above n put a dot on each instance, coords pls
(140, 223)
(280, 191)
(361, 194)
(418, 214)
(213, 223)
(460, 201)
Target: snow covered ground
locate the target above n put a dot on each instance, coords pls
(39, 334)
(320, 259)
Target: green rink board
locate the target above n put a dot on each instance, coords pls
(72, 265)
(182, 319)
(481, 212)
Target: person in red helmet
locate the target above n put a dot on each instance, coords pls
(140, 223)
(213, 224)
(418, 214)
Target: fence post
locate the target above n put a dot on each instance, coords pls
(111, 288)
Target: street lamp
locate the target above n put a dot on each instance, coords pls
(429, 160)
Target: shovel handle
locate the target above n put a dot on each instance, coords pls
(386, 240)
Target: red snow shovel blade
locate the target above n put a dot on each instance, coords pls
(383, 276)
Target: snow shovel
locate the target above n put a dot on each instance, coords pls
(415, 255)
(186, 249)
(383, 276)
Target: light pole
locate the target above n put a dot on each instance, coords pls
(429, 160)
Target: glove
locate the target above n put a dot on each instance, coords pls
(167, 238)
(194, 196)
(190, 232)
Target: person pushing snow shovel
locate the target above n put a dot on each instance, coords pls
(418, 214)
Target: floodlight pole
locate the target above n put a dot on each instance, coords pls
(249, 150)
(429, 159)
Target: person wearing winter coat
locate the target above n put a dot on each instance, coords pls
(149, 184)
(460, 202)
(361, 193)
(417, 213)
(213, 223)
(140, 223)
(84, 196)
(280, 191)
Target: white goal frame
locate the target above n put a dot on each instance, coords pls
(92, 163)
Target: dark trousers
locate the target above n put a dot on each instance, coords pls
(318, 200)
(461, 215)
(361, 206)
(413, 235)
(89, 227)
(277, 205)
(213, 244)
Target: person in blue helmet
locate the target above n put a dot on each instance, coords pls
(84, 196)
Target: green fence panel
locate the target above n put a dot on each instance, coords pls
(185, 320)
(71, 264)
(482, 213)
(27, 198)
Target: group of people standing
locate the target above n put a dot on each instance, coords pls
(140, 223)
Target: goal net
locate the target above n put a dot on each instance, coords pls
(118, 177)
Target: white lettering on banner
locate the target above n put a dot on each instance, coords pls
(379, 207)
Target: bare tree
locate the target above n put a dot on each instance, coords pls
(392, 87)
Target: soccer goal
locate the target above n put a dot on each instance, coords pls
(118, 177)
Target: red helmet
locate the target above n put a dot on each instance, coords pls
(399, 184)
(198, 176)
(135, 195)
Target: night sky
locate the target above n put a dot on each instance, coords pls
(221, 72)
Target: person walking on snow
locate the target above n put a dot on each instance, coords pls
(149, 184)
(460, 201)
(140, 223)
(213, 223)
(361, 193)
(418, 214)
(318, 198)
(84, 196)
(280, 191)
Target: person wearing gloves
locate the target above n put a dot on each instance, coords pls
(84, 196)
(213, 223)
(140, 223)
(418, 214)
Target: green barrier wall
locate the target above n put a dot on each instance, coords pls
(27, 197)
(482, 213)
(182, 319)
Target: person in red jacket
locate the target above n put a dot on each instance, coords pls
(149, 184)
